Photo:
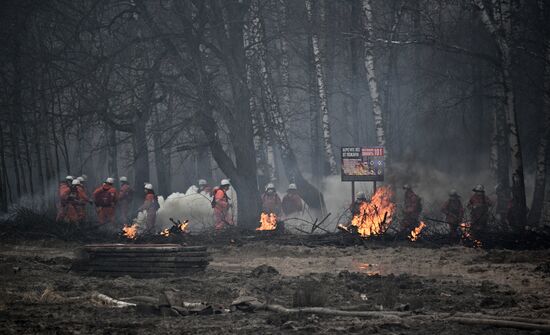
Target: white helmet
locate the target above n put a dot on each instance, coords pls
(84, 177)
(292, 187)
(269, 186)
(361, 196)
(110, 180)
(453, 193)
(225, 182)
(124, 179)
(148, 186)
(80, 179)
(69, 178)
(479, 188)
(202, 182)
(407, 187)
(76, 181)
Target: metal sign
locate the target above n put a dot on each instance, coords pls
(363, 164)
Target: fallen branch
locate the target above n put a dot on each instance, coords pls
(102, 299)
(500, 323)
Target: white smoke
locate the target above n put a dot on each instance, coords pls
(192, 206)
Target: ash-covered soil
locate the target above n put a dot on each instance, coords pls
(36, 282)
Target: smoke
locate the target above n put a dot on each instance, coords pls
(192, 206)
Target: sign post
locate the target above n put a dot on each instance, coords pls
(362, 164)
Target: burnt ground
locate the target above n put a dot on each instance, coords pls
(36, 279)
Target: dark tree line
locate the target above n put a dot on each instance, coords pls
(260, 90)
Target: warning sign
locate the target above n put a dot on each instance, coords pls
(363, 163)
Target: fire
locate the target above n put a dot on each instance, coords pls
(179, 227)
(375, 216)
(415, 233)
(130, 231)
(467, 235)
(268, 222)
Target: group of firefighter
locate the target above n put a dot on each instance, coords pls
(479, 206)
(108, 201)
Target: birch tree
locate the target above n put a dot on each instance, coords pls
(275, 120)
(321, 88)
(371, 73)
(497, 20)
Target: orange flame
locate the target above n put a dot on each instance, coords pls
(267, 222)
(130, 232)
(415, 233)
(183, 228)
(375, 216)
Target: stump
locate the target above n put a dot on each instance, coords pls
(140, 260)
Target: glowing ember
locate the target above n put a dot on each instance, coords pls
(375, 216)
(267, 222)
(369, 269)
(465, 228)
(130, 232)
(165, 232)
(415, 233)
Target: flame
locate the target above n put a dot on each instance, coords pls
(130, 232)
(415, 233)
(467, 235)
(267, 222)
(182, 227)
(375, 216)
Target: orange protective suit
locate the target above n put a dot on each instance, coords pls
(62, 192)
(411, 211)
(271, 203)
(221, 209)
(76, 204)
(124, 201)
(150, 204)
(105, 198)
(292, 203)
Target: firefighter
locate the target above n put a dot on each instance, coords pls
(76, 201)
(62, 192)
(479, 206)
(150, 205)
(411, 211)
(204, 188)
(105, 198)
(454, 214)
(292, 202)
(221, 205)
(124, 199)
(271, 202)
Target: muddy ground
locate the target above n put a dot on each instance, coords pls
(36, 279)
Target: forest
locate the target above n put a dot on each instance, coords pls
(257, 91)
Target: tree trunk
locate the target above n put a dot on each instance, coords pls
(112, 152)
(501, 34)
(275, 119)
(371, 74)
(323, 99)
(355, 59)
(5, 191)
(541, 201)
(141, 154)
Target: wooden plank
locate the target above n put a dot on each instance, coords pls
(172, 268)
(122, 263)
(146, 257)
(137, 248)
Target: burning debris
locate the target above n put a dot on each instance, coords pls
(415, 233)
(268, 222)
(177, 228)
(375, 216)
(130, 231)
(465, 228)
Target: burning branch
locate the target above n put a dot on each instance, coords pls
(130, 232)
(415, 233)
(268, 222)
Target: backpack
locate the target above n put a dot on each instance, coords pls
(104, 198)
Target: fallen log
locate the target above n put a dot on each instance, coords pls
(106, 300)
(500, 323)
